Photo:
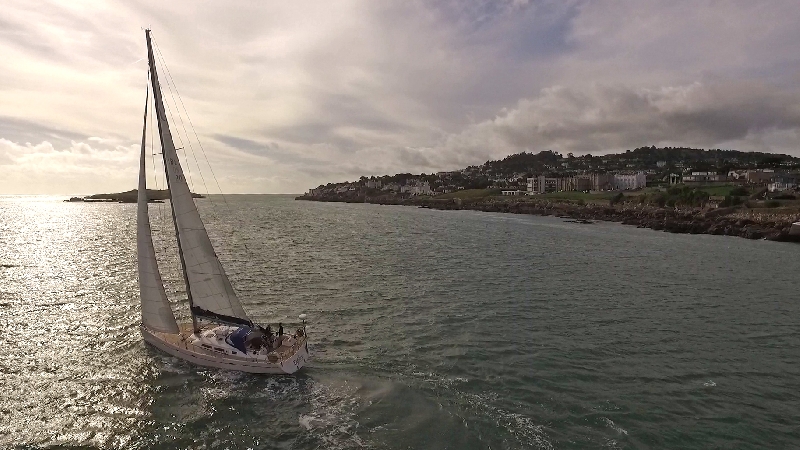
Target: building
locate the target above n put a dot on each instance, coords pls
(737, 175)
(535, 186)
(602, 181)
(759, 176)
(624, 182)
(783, 182)
(582, 183)
(703, 178)
(418, 188)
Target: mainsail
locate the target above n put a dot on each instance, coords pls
(156, 312)
(210, 292)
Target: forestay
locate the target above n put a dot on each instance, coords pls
(210, 288)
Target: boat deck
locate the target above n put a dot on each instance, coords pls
(183, 340)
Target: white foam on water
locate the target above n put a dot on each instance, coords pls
(610, 423)
(170, 364)
(332, 418)
(522, 427)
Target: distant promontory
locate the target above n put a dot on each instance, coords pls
(679, 190)
(127, 196)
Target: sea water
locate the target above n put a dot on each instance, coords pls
(428, 329)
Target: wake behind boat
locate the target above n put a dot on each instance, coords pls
(221, 333)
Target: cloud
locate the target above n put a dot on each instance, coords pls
(287, 96)
(603, 119)
(46, 169)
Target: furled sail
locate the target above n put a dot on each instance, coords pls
(156, 312)
(211, 292)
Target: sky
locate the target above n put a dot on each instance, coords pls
(284, 96)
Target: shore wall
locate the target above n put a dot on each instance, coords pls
(723, 221)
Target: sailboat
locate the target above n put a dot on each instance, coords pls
(794, 230)
(221, 333)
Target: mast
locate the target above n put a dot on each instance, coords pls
(161, 116)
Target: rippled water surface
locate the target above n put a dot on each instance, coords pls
(429, 329)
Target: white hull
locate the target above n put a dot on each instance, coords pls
(795, 229)
(176, 345)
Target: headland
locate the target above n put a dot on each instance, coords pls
(153, 195)
(679, 190)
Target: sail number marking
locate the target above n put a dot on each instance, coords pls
(299, 360)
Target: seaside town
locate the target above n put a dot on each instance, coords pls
(550, 172)
(680, 190)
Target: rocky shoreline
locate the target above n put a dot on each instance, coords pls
(735, 221)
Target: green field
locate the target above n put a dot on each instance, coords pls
(717, 190)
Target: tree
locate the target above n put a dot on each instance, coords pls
(616, 199)
(739, 191)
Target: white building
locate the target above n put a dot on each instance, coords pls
(703, 177)
(783, 183)
(633, 181)
(533, 186)
(419, 188)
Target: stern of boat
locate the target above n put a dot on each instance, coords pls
(299, 359)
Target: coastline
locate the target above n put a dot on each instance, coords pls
(769, 224)
(153, 196)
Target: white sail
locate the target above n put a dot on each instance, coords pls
(156, 312)
(210, 288)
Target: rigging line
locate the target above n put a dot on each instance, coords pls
(159, 177)
(171, 82)
(152, 150)
(189, 119)
(160, 207)
(176, 131)
(156, 173)
(200, 144)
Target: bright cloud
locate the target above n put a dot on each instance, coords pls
(285, 96)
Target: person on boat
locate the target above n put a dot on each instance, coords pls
(267, 333)
(280, 329)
